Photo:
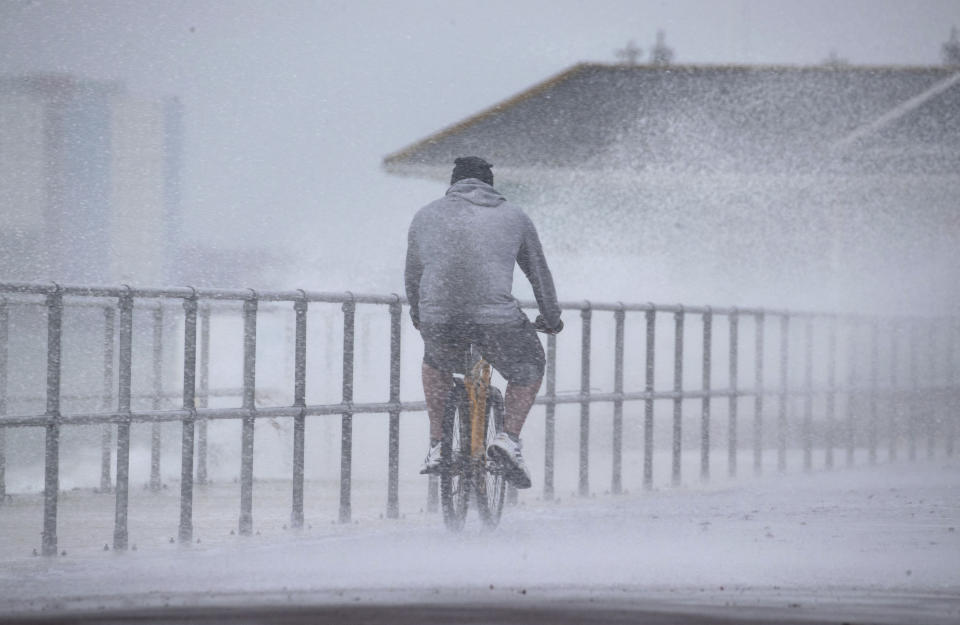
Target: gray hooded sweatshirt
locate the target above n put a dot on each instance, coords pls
(461, 251)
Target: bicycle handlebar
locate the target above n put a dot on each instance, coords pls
(541, 326)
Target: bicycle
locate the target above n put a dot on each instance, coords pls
(472, 417)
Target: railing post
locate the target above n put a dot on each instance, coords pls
(123, 427)
(892, 428)
(157, 396)
(299, 401)
(914, 411)
(245, 525)
(106, 397)
(190, 405)
(4, 336)
(953, 391)
(616, 486)
(346, 431)
(203, 399)
(705, 401)
(784, 390)
(759, 351)
(874, 392)
(732, 404)
(808, 395)
(51, 474)
(549, 424)
(512, 497)
(651, 327)
(677, 398)
(585, 316)
(849, 429)
(831, 390)
(393, 451)
(933, 378)
(433, 493)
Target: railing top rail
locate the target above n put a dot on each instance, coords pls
(49, 288)
(101, 302)
(298, 295)
(667, 308)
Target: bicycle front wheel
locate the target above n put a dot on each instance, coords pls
(490, 483)
(456, 472)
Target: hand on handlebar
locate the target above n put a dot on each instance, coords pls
(541, 326)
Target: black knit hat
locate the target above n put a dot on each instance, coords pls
(472, 167)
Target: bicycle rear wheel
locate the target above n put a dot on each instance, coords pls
(490, 483)
(455, 466)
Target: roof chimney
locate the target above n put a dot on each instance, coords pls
(661, 54)
(951, 50)
(630, 54)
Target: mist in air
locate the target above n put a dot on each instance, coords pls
(288, 112)
(298, 161)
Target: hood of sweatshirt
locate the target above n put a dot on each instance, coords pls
(475, 192)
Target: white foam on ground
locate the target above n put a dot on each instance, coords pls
(882, 539)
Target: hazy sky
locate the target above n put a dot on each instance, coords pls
(290, 106)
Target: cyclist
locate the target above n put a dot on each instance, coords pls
(461, 252)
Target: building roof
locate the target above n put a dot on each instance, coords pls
(714, 118)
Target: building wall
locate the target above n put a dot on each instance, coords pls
(89, 182)
(23, 188)
(79, 173)
(137, 229)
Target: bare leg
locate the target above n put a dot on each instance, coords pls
(436, 389)
(517, 404)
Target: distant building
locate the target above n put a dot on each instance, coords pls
(779, 181)
(89, 181)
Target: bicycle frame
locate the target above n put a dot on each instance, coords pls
(468, 474)
(477, 383)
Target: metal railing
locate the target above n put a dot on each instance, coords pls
(158, 395)
(903, 401)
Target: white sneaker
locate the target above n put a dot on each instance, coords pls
(508, 453)
(431, 464)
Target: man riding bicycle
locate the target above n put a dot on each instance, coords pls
(459, 275)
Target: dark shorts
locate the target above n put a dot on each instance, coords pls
(512, 348)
